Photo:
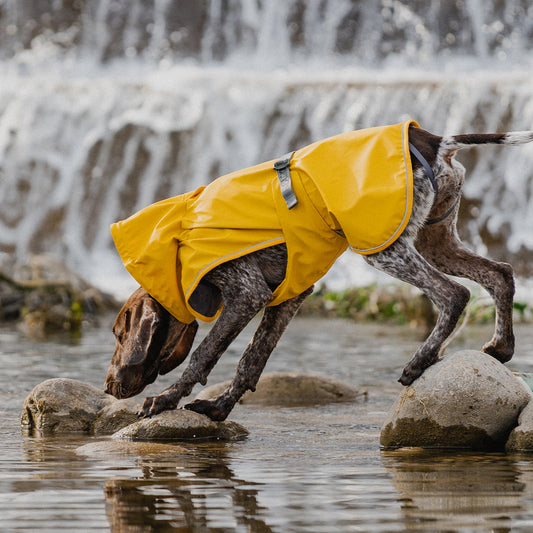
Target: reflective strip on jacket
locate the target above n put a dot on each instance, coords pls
(359, 183)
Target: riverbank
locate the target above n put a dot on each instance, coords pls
(44, 297)
(400, 304)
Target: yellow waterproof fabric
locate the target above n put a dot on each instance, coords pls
(359, 183)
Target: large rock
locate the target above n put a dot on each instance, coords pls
(289, 390)
(67, 405)
(521, 438)
(466, 400)
(180, 424)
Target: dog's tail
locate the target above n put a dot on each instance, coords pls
(457, 142)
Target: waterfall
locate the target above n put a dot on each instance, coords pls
(109, 105)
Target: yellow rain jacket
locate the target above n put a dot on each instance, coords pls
(352, 189)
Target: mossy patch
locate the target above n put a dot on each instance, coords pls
(46, 298)
(426, 433)
(400, 304)
(396, 303)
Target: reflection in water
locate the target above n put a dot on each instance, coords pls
(316, 469)
(193, 495)
(464, 490)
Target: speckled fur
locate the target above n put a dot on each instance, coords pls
(423, 256)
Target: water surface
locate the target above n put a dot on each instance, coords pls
(316, 469)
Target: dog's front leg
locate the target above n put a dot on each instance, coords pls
(253, 360)
(244, 293)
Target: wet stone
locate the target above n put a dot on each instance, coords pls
(287, 389)
(67, 405)
(45, 297)
(521, 438)
(180, 424)
(62, 405)
(466, 400)
(102, 449)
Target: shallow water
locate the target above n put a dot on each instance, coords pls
(300, 469)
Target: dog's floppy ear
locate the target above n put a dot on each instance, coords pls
(146, 322)
(177, 345)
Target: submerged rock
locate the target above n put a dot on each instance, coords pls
(521, 438)
(467, 400)
(103, 449)
(67, 405)
(289, 389)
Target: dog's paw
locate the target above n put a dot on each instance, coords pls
(502, 353)
(409, 375)
(157, 404)
(210, 408)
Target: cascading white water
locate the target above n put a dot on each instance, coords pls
(109, 105)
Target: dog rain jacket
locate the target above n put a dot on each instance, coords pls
(351, 189)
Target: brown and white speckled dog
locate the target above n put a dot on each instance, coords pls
(150, 341)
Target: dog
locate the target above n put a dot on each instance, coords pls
(151, 341)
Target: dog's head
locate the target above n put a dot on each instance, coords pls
(149, 342)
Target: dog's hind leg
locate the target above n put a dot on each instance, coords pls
(403, 261)
(452, 257)
(245, 292)
(253, 360)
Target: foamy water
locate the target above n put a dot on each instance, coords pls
(106, 108)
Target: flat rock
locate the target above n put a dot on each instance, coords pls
(521, 438)
(103, 449)
(466, 400)
(285, 389)
(67, 405)
(180, 424)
